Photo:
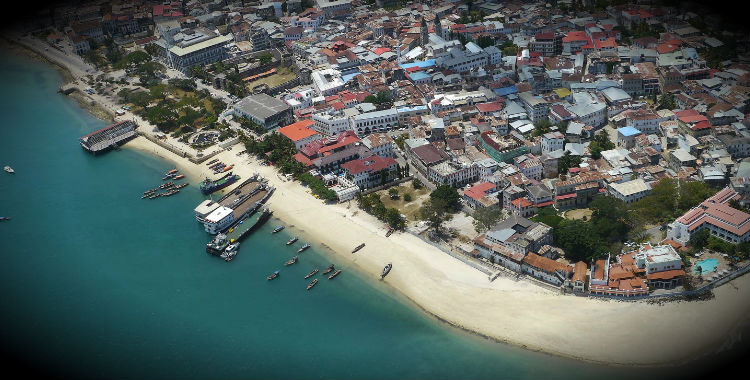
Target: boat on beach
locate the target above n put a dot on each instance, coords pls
(274, 275)
(9, 169)
(386, 270)
(304, 247)
(277, 229)
(292, 260)
(291, 241)
(209, 163)
(228, 168)
(315, 281)
(357, 248)
(336, 273)
(311, 273)
(330, 268)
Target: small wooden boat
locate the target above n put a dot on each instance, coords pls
(9, 169)
(330, 268)
(277, 229)
(291, 241)
(390, 231)
(274, 275)
(386, 270)
(179, 176)
(166, 177)
(357, 248)
(8, 218)
(228, 168)
(311, 274)
(336, 273)
(212, 162)
(173, 171)
(315, 281)
(304, 247)
(291, 261)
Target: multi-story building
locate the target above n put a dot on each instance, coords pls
(547, 44)
(331, 123)
(552, 141)
(300, 133)
(264, 110)
(376, 121)
(380, 144)
(190, 48)
(502, 149)
(630, 191)
(371, 171)
(536, 107)
(714, 214)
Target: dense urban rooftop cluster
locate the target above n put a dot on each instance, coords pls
(522, 106)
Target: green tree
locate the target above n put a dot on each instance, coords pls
(407, 197)
(486, 217)
(667, 101)
(566, 162)
(699, 240)
(416, 184)
(393, 192)
(448, 195)
(434, 212)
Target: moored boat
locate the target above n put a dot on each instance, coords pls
(315, 281)
(173, 171)
(9, 169)
(179, 176)
(386, 270)
(277, 229)
(311, 273)
(208, 186)
(166, 177)
(304, 247)
(357, 248)
(291, 241)
(4, 218)
(336, 273)
(274, 275)
(292, 260)
(330, 268)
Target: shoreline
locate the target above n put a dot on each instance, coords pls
(505, 311)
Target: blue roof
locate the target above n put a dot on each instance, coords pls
(420, 64)
(419, 75)
(628, 131)
(503, 91)
(348, 77)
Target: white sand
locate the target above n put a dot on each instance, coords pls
(521, 313)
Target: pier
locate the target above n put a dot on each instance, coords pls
(231, 199)
(109, 137)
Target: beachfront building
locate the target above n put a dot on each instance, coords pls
(371, 171)
(345, 189)
(545, 269)
(578, 282)
(328, 154)
(264, 110)
(629, 191)
(714, 214)
(300, 133)
(662, 265)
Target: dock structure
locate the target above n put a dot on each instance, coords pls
(231, 199)
(109, 137)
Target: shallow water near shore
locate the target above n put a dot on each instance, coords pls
(100, 283)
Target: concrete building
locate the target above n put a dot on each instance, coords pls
(376, 121)
(630, 191)
(264, 110)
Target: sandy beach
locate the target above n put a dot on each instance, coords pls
(517, 312)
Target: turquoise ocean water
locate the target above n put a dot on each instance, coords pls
(99, 283)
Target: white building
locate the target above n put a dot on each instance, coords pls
(376, 121)
(630, 191)
(552, 141)
(218, 220)
(327, 81)
(380, 144)
(657, 259)
(330, 123)
(345, 189)
(536, 107)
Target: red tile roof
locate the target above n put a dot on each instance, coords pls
(373, 164)
(298, 130)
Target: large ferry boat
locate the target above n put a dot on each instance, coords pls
(208, 186)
